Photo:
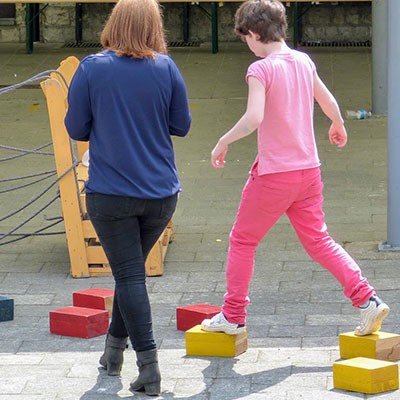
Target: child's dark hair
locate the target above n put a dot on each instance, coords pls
(267, 18)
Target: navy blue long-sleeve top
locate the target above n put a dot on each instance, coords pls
(128, 109)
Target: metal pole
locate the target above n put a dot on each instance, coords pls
(393, 212)
(296, 24)
(78, 23)
(379, 56)
(214, 26)
(29, 15)
(186, 22)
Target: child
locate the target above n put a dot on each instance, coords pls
(285, 177)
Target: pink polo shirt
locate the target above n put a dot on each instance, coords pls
(286, 135)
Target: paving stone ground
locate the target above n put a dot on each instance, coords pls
(297, 309)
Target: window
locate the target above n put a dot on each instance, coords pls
(7, 14)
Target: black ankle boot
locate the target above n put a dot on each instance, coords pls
(149, 379)
(113, 356)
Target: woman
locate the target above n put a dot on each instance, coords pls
(127, 101)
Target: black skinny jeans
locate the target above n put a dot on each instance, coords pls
(128, 228)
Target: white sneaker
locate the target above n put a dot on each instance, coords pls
(218, 323)
(372, 316)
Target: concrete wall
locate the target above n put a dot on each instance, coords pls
(325, 22)
(347, 22)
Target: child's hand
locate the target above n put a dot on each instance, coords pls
(338, 135)
(218, 155)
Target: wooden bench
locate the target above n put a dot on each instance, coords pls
(87, 256)
(297, 16)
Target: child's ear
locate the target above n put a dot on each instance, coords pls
(256, 36)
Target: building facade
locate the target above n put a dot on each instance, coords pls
(319, 24)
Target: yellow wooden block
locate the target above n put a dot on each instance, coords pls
(365, 375)
(214, 344)
(379, 345)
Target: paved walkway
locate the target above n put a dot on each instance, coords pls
(297, 309)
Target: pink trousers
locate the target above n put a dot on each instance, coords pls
(298, 194)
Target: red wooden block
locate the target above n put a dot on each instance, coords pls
(189, 316)
(100, 299)
(79, 322)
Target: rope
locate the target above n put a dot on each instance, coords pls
(43, 175)
(48, 204)
(24, 235)
(35, 233)
(17, 178)
(75, 163)
(36, 78)
(25, 151)
(26, 184)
